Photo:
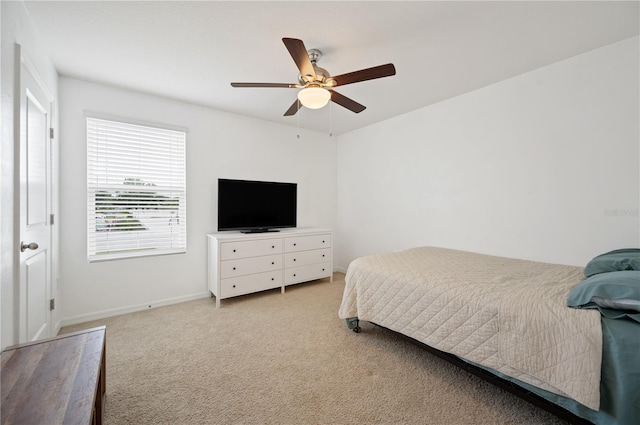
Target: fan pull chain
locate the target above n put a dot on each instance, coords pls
(298, 118)
(330, 120)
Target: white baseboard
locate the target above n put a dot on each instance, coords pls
(341, 270)
(74, 320)
(56, 328)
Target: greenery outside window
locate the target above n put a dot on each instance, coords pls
(136, 190)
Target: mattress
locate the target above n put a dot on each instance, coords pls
(506, 314)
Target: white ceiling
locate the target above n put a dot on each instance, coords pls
(191, 51)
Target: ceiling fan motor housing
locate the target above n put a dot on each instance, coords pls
(321, 78)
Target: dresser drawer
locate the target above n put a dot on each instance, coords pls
(242, 266)
(252, 283)
(303, 243)
(311, 272)
(244, 249)
(303, 258)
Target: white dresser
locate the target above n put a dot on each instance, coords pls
(240, 263)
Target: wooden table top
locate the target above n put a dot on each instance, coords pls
(52, 381)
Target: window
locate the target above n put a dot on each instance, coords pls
(136, 190)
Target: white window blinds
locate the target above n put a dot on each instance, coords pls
(136, 190)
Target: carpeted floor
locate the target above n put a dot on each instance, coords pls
(270, 358)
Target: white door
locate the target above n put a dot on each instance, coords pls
(35, 207)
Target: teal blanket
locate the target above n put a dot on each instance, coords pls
(620, 380)
(617, 296)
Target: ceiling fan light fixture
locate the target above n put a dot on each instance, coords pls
(314, 97)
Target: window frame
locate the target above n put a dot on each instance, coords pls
(165, 196)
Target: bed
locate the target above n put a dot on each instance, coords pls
(511, 320)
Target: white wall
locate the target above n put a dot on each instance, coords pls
(17, 27)
(219, 144)
(543, 166)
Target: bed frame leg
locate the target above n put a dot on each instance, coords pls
(354, 324)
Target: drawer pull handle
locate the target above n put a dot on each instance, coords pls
(322, 255)
(273, 262)
(273, 246)
(322, 241)
(234, 250)
(322, 269)
(234, 286)
(272, 279)
(294, 244)
(234, 268)
(294, 259)
(294, 275)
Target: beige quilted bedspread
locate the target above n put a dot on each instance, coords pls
(506, 314)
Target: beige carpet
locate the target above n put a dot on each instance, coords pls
(269, 358)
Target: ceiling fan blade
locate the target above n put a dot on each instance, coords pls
(283, 85)
(343, 100)
(293, 109)
(380, 71)
(300, 56)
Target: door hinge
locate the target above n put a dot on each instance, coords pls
(52, 304)
(51, 133)
(51, 220)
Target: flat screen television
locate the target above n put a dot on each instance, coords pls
(256, 206)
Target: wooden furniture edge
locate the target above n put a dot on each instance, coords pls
(58, 337)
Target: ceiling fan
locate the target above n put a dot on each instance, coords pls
(317, 84)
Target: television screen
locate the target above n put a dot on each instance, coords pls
(256, 206)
